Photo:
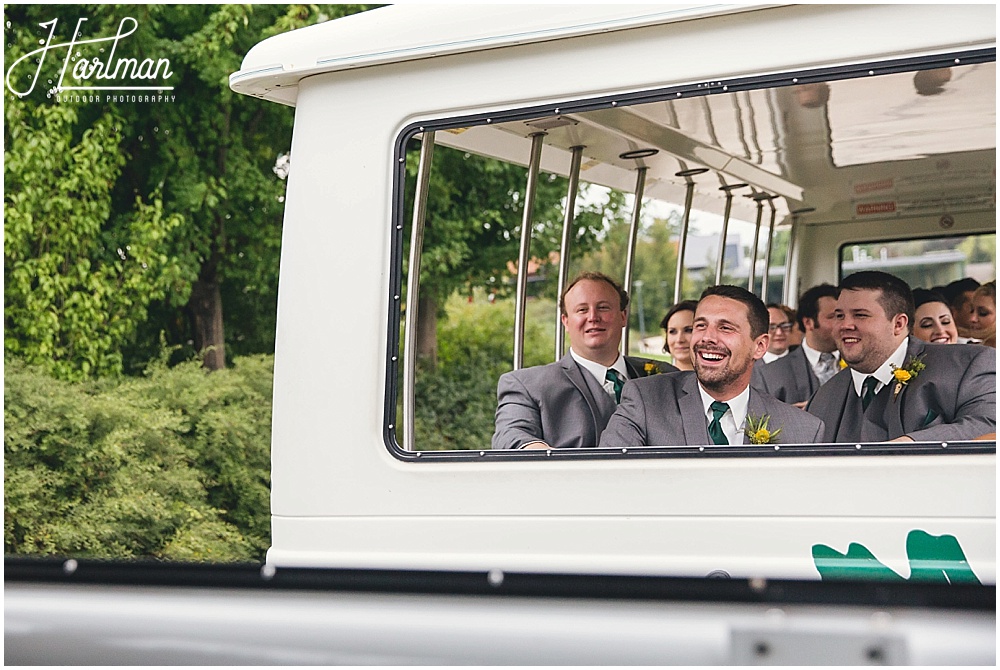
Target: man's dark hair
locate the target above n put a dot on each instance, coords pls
(809, 302)
(896, 296)
(953, 292)
(756, 311)
(682, 306)
(595, 276)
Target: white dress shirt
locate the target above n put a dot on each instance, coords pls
(734, 419)
(813, 357)
(769, 357)
(600, 372)
(884, 373)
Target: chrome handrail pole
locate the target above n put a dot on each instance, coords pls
(633, 235)
(524, 255)
(413, 285)
(767, 253)
(567, 236)
(682, 243)
(756, 240)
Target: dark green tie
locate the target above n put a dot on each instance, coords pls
(868, 391)
(616, 381)
(714, 427)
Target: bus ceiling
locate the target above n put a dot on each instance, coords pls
(814, 144)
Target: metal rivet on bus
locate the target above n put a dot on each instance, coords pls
(795, 80)
(390, 426)
(268, 571)
(419, 454)
(776, 447)
(548, 452)
(857, 446)
(399, 227)
(482, 453)
(70, 566)
(701, 448)
(944, 445)
(614, 104)
(624, 451)
(725, 88)
(489, 120)
(400, 160)
(957, 61)
(678, 94)
(871, 71)
(421, 129)
(495, 577)
(395, 357)
(557, 110)
(758, 584)
(395, 297)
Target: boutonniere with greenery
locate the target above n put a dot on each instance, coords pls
(758, 432)
(906, 373)
(652, 369)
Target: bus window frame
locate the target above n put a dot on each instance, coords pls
(893, 240)
(399, 219)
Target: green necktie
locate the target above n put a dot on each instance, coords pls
(868, 391)
(714, 427)
(616, 381)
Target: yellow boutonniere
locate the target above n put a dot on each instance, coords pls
(758, 432)
(843, 364)
(905, 374)
(651, 369)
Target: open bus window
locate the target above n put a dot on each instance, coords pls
(777, 174)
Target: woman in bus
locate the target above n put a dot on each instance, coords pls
(677, 326)
(933, 320)
(984, 315)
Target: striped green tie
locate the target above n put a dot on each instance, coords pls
(714, 427)
(616, 381)
(868, 391)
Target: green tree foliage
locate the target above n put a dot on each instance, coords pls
(77, 283)
(185, 189)
(172, 465)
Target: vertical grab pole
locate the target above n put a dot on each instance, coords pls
(791, 292)
(759, 197)
(767, 252)
(413, 285)
(682, 243)
(633, 235)
(725, 230)
(567, 234)
(522, 258)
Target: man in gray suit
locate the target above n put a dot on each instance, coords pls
(568, 403)
(794, 378)
(898, 388)
(714, 404)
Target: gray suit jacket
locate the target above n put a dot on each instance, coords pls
(953, 398)
(559, 403)
(666, 410)
(789, 379)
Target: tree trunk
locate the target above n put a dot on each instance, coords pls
(427, 330)
(206, 313)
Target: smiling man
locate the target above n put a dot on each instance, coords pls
(714, 404)
(568, 403)
(897, 387)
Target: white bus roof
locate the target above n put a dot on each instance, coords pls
(410, 32)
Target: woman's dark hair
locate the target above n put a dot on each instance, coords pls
(682, 306)
(922, 296)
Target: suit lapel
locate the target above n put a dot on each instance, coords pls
(894, 408)
(842, 385)
(575, 376)
(804, 371)
(691, 408)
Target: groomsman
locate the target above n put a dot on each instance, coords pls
(714, 404)
(568, 403)
(898, 388)
(795, 377)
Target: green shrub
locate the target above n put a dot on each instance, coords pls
(173, 465)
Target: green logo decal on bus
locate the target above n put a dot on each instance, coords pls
(932, 559)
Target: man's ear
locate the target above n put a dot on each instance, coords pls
(760, 346)
(564, 318)
(900, 324)
(808, 324)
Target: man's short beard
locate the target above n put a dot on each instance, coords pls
(728, 377)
